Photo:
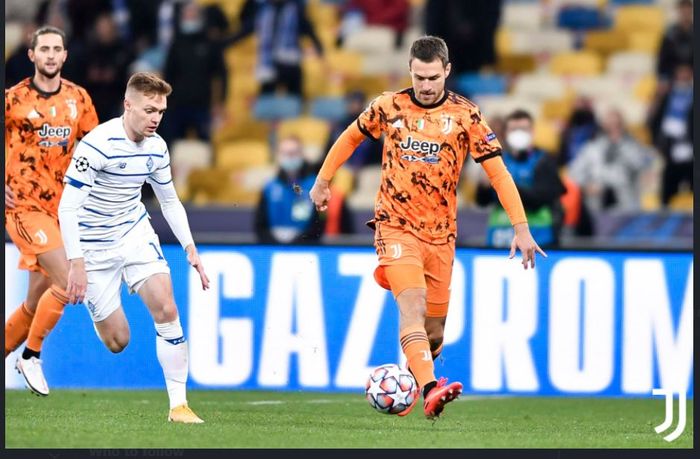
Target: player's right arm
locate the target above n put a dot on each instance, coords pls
(367, 124)
(79, 179)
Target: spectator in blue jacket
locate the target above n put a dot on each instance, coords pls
(535, 175)
(285, 214)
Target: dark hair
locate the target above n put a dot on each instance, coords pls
(682, 3)
(46, 30)
(428, 48)
(518, 114)
(149, 84)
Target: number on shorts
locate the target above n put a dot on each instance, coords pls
(160, 256)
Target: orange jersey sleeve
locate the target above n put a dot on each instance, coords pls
(41, 130)
(342, 149)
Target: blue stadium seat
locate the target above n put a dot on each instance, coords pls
(273, 107)
(581, 18)
(329, 108)
(471, 84)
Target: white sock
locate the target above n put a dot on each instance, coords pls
(171, 349)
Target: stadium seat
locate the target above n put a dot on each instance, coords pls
(368, 182)
(241, 129)
(185, 156)
(644, 41)
(576, 63)
(631, 64)
(344, 180)
(387, 63)
(372, 39)
(546, 135)
(542, 41)
(634, 18)
(206, 185)
(471, 84)
(241, 154)
(313, 133)
(541, 86)
(347, 63)
(274, 107)
(581, 18)
(13, 37)
(515, 63)
(633, 111)
(521, 15)
(605, 42)
(329, 108)
(645, 89)
(492, 106)
(557, 110)
(600, 86)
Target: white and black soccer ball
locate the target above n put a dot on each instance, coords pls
(390, 389)
(82, 164)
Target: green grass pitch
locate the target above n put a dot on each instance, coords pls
(240, 419)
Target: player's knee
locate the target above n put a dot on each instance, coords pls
(117, 342)
(167, 312)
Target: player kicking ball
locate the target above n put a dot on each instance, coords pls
(108, 238)
(428, 133)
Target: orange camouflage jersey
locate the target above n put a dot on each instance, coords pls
(40, 132)
(424, 151)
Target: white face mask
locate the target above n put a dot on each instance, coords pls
(519, 139)
(291, 165)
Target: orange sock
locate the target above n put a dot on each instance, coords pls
(48, 312)
(435, 353)
(17, 328)
(414, 342)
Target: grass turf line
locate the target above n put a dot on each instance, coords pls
(257, 419)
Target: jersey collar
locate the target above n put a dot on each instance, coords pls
(433, 105)
(42, 92)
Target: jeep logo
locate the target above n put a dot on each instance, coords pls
(429, 148)
(50, 131)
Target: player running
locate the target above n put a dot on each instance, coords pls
(108, 237)
(44, 117)
(428, 132)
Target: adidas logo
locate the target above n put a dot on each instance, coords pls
(33, 114)
(398, 124)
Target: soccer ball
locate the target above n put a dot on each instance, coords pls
(391, 389)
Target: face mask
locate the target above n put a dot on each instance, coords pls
(189, 26)
(291, 165)
(519, 139)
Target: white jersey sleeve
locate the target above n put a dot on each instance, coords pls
(79, 179)
(162, 182)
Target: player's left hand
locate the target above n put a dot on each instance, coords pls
(524, 242)
(194, 260)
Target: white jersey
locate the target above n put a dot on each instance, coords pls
(111, 169)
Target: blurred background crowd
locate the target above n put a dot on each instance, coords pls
(592, 100)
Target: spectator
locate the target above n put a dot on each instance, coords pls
(284, 213)
(107, 58)
(677, 44)
(391, 13)
(579, 129)
(195, 67)
(279, 26)
(671, 125)
(469, 27)
(608, 168)
(537, 179)
(369, 151)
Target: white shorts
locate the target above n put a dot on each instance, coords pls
(137, 259)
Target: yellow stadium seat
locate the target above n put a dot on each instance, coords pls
(246, 129)
(557, 109)
(645, 88)
(503, 42)
(640, 132)
(639, 17)
(344, 180)
(576, 63)
(515, 63)
(546, 135)
(313, 133)
(605, 42)
(682, 201)
(347, 63)
(240, 154)
(205, 185)
(645, 41)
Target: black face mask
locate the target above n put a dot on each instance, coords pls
(582, 116)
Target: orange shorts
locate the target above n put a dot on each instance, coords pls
(33, 233)
(420, 264)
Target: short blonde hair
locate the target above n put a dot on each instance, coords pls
(149, 84)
